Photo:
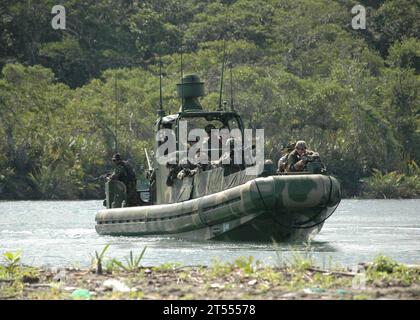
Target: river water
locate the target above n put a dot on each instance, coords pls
(62, 233)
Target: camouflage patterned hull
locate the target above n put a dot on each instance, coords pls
(280, 208)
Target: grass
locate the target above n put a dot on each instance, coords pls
(168, 266)
(11, 260)
(240, 278)
(99, 259)
(13, 275)
(132, 262)
(113, 265)
(385, 271)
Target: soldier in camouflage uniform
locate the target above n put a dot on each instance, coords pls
(296, 160)
(124, 172)
(282, 163)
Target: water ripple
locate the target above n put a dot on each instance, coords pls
(62, 233)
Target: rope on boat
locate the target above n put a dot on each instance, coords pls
(298, 226)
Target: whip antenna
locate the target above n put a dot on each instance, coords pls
(161, 112)
(116, 98)
(231, 87)
(221, 79)
(182, 83)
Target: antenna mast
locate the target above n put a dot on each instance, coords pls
(182, 83)
(161, 112)
(116, 113)
(221, 79)
(231, 88)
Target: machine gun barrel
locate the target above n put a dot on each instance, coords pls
(103, 176)
(311, 158)
(150, 168)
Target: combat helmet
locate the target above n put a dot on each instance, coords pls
(300, 144)
(116, 157)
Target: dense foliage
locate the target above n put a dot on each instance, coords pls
(69, 98)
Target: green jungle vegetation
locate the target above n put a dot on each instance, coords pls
(70, 98)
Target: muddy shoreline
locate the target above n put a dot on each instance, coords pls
(242, 279)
